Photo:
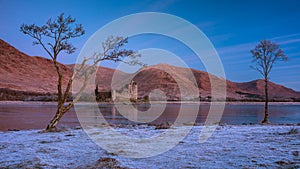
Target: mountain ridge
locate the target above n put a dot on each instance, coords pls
(31, 76)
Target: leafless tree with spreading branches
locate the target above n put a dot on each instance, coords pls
(54, 38)
(265, 55)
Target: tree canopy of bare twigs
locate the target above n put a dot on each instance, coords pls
(265, 55)
(55, 36)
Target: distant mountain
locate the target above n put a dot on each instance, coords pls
(156, 77)
(276, 91)
(23, 77)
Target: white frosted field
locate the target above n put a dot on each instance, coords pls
(244, 146)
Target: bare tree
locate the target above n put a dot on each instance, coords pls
(54, 37)
(265, 55)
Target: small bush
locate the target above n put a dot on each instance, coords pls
(293, 131)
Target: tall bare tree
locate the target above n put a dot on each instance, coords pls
(54, 38)
(265, 55)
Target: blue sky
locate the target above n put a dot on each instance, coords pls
(233, 27)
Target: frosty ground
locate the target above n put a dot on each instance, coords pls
(243, 146)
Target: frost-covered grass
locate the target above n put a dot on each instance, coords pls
(249, 146)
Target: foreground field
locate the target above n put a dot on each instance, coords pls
(243, 146)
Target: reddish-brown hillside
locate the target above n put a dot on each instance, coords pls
(21, 74)
(276, 91)
(152, 78)
(167, 78)
(104, 77)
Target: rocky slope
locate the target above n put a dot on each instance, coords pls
(23, 77)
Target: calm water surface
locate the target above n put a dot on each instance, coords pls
(37, 115)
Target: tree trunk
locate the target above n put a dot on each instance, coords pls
(60, 101)
(58, 115)
(266, 103)
(52, 125)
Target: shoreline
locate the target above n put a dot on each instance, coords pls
(154, 102)
(150, 126)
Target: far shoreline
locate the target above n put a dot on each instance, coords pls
(152, 127)
(5, 102)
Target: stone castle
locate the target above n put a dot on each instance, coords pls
(108, 96)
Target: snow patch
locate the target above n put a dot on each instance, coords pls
(256, 146)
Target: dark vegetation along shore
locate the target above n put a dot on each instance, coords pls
(15, 95)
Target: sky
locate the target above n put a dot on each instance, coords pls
(233, 28)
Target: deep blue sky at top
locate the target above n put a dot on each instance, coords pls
(234, 28)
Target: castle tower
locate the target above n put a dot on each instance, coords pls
(133, 90)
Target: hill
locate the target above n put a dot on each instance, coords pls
(168, 78)
(23, 77)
